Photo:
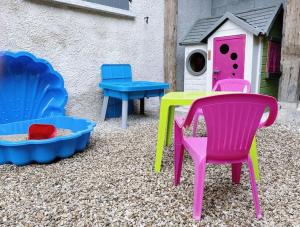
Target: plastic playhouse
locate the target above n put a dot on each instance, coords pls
(33, 100)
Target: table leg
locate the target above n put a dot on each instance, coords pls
(163, 121)
(254, 159)
(142, 106)
(170, 125)
(124, 113)
(104, 108)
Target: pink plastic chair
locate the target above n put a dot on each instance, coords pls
(231, 123)
(236, 85)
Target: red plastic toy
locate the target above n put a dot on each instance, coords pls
(41, 131)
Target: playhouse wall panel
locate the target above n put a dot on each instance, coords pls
(256, 63)
(191, 82)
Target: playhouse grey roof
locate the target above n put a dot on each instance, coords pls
(257, 21)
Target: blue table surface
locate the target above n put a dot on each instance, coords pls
(133, 85)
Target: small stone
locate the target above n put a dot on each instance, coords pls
(113, 183)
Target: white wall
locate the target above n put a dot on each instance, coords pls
(191, 82)
(77, 42)
(229, 29)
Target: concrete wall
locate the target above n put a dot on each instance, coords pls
(219, 7)
(77, 42)
(189, 11)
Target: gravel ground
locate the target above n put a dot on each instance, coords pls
(113, 183)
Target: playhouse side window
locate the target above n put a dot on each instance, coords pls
(196, 62)
(274, 56)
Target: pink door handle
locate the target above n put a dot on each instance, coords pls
(216, 71)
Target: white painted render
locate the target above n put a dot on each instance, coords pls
(77, 41)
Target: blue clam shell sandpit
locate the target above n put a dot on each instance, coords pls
(44, 151)
(29, 88)
(31, 92)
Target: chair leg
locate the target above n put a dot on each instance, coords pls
(198, 189)
(104, 108)
(142, 106)
(178, 161)
(124, 114)
(178, 154)
(236, 169)
(254, 189)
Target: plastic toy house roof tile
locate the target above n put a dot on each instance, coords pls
(257, 21)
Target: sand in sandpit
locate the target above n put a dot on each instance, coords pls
(24, 137)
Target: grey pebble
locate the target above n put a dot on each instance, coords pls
(113, 183)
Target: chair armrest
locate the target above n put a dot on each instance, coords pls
(185, 122)
(271, 117)
(179, 121)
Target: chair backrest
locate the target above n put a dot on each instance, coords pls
(238, 85)
(231, 123)
(116, 73)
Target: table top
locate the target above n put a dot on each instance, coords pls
(133, 85)
(187, 97)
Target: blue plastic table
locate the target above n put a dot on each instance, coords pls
(117, 83)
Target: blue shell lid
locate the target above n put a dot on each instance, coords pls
(29, 88)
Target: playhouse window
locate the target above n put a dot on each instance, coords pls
(224, 48)
(196, 62)
(233, 56)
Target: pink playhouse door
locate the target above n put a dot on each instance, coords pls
(229, 57)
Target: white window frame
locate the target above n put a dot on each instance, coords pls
(95, 7)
